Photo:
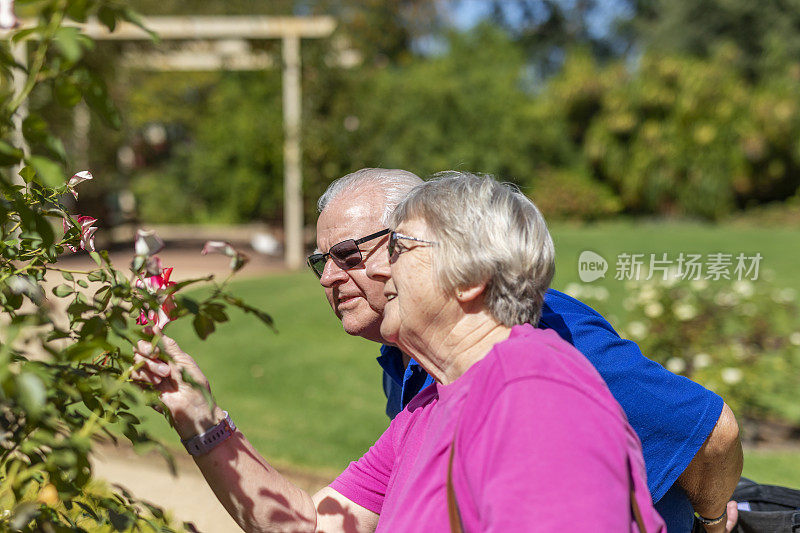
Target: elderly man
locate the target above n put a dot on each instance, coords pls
(690, 438)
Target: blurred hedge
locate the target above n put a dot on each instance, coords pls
(664, 134)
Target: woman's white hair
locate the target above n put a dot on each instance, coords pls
(394, 183)
(486, 231)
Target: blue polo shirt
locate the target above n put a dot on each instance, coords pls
(671, 414)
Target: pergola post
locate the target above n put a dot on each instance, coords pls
(20, 52)
(292, 164)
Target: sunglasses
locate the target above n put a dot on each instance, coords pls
(345, 254)
(398, 247)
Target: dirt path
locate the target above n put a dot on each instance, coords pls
(187, 496)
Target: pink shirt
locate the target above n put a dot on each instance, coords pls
(541, 445)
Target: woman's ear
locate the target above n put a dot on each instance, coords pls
(471, 293)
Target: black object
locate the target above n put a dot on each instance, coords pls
(768, 508)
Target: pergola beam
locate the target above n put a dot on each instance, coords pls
(197, 61)
(210, 27)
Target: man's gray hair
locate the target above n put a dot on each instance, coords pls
(394, 183)
(486, 231)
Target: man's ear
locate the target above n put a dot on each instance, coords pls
(471, 293)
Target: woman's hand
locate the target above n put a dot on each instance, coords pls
(188, 405)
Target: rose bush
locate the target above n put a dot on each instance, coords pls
(740, 339)
(67, 335)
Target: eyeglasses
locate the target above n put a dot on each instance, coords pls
(345, 254)
(398, 247)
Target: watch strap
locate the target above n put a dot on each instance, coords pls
(208, 440)
(711, 521)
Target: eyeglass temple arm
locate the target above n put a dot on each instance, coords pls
(375, 235)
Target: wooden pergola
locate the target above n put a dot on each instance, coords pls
(233, 30)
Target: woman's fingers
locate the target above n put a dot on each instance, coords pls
(145, 348)
(156, 366)
(146, 376)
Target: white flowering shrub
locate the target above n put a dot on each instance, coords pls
(740, 339)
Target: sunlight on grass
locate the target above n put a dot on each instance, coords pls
(310, 395)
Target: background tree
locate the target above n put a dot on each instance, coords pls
(766, 33)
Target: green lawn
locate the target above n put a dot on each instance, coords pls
(310, 395)
(773, 467)
(778, 247)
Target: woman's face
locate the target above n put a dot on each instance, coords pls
(416, 311)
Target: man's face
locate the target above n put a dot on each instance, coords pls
(355, 295)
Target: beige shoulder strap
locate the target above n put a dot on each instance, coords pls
(452, 504)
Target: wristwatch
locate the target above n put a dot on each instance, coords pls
(207, 441)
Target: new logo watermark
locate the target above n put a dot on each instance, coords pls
(685, 266)
(591, 266)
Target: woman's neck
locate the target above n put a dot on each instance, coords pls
(449, 354)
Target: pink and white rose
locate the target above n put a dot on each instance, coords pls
(76, 180)
(87, 231)
(154, 285)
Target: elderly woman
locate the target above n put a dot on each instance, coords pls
(519, 432)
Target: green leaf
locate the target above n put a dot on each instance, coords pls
(87, 509)
(34, 128)
(32, 393)
(117, 319)
(96, 257)
(83, 283)
(68, 42)
(27, 173)
(62, 290)
(203, 325)
(67, 276)
(82, 351)
(58, 334)
(216, 311)
(108, 17)
(66, 91)
(14, 301)
(94, 328)
(133, 17)
(78, 10)
(188, 303)
(9, 155)
(45, 230)
(21, 35)
(90, 400)
(102, 297)
(185, 283)
(76, 308)
(97, 275)
(261, 315)
(48, 172)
